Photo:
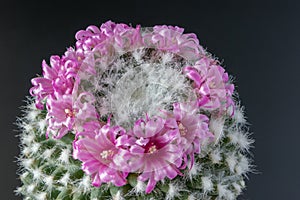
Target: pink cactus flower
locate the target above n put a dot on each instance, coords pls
(88, 39)
(57, 80)
(60, 116)
(211, 84)
(173, 40)
(121, 36)
(191, 126)
(156, 154)
(65, 114)
(101, 157)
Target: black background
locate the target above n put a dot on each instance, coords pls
(258, 41)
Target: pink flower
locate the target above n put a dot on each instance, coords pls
(86, 111)
(155, 151)
(109, 36)
(100, 156)
(124, 35)
(89, 129)
(42, 87)
(65, 115)
(192, 128)
(88, 39)
(60, 116)
(58, 79)
(127, 37)
(211, 83)
(72, 62)
(172, 39)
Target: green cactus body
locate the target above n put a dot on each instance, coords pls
(48, 170)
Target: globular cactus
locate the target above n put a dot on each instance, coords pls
(133, 113)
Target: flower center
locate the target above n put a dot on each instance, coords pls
(106, 153)
(182, 129)
(152, 149)
(70, 113)
(212, 85)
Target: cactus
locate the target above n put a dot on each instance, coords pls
(49, 168)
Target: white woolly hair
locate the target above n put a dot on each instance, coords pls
(241, 139)
(231, 161)
(243, 166)
(194, 171)
(37, 174)
(84, 184)
(64, 156)
(48, 180)
(224, 192)
(65, 179)
(239, 134)
(207, 184)
(191, 197)
(139, 188)
(30, 188)
(135, 85)
(41, 196)
(174, 190)
(118, 196)
(216, 126)
(215, 156)
(237, 187)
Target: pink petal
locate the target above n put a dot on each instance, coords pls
(150, 186)
(135, 149)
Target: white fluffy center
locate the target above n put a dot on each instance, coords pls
(139, 84)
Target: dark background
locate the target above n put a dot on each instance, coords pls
(258, 41)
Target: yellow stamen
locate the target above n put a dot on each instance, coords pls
(70, 113)
(107, 153)
(212, 84)
(182, 129)
(152, 149)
